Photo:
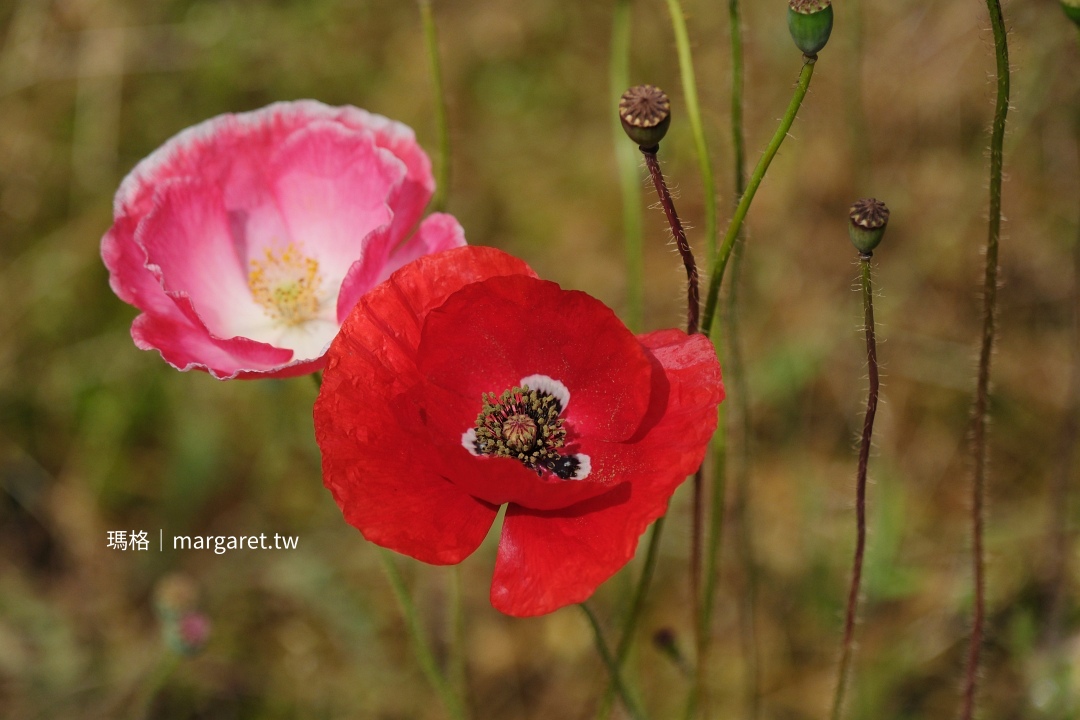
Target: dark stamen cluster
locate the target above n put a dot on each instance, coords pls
(522, 424)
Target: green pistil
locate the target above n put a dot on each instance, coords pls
(522, 424)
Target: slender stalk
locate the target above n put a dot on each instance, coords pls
(738, 417)
(738, 139)
(629, 187)
(1060, 536)
(424, 655)
(860, 491)
(632, 705)
(693, 112)
(735, 226)
(316, 377)
(693, 302)
(458, 679)
(697, 519)
(143, 703)
(442, 162)
(637, 605)
(982, 391)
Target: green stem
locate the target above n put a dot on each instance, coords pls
(626, 158)
(632, 705)
(738, 140)
(458, 679)
(316, 377)
(637, 605)
(424, 655)
(144, 700)
(982, 390)
(751, 189)
(860, 491)
(693, 111)
(442, 161)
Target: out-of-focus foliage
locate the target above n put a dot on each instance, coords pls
(98, 436)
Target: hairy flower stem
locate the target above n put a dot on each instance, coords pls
(697, 127)
(693, 302)
(735, 226)
(450, 699)
(860, 491)
(442, 165)
(629, 183)
(982, 390)
(631, 703)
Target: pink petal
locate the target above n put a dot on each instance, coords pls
(186, 346)
(189, 247)
(332, 188)
(437, 232)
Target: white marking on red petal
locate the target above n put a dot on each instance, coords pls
(549, 385)
(584, 467)
(468, 441)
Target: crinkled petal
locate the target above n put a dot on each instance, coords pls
(378, 458)
(548, 560)
(437, 232)
(187, 346)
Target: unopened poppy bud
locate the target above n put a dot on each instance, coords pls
(868, 220)
(1072, 9)
(645, 112)
(810, 23)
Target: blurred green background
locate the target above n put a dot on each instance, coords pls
(98, 436)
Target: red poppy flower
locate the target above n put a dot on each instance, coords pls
(464, 383)
(246, 239)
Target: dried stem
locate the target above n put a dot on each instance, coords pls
(982, 391)
(860, 491)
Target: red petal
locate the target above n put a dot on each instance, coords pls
(379, 463)
(490, 335)
(550, 559)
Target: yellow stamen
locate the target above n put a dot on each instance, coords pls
(286, 284)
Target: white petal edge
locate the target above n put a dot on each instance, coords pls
(468, 441)
(551, 386)
(584, 467)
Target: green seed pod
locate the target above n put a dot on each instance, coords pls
(868, 220)
(1072, 9)
(645, 112)
(810, 23)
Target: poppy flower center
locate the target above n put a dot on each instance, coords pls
(524, 423)
(287, 285)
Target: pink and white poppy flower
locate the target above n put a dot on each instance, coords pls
(246, 240)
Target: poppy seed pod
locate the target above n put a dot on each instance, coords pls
(868, 220)
(1072, 9)
(810, 23)
(645, 112)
